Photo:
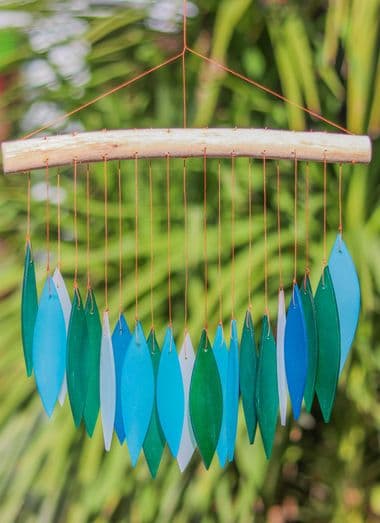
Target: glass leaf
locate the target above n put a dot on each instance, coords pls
(247, 375)
(266, 392)
(187, 444)
(64, 299)
(92, 361)
(49, 346)
(170, 393)
(120, 340)
(295, 351)
(137, 392)
(347, 293)
(77, 339)
(154, 442)
(220, 352)
(232, 391)
(206, 401)
(312, 341)
(107, 381)
(29, 306)
(281, 373)
(329, 344)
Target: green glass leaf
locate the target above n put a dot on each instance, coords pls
(248, 372)
(206, 400)
(266, 387)
(154, 442)
(76, 360)
(312, 340)
(29, 306)
(92, 362)
(329, 344)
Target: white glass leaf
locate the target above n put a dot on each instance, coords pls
(64, 298)
(107, 383)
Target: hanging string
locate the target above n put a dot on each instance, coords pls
(120, 239)
(88, 226)
(136, 240)
(47, 217)
(169, 238)
(184, 97)
(151, 242)
(205, 235)
(59, 218)
(340, 228)
(295, 218)
(281, 281)
(250, 234)
(220, 246)
(75, 226)
(307, 220)
(186, 243)
(233, 236)
(28, 210)
(265, 235)
(324, 262)
(105, 172)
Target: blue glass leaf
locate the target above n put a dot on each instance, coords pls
(107, 383)
(29, 307)
(49, 346)
(137, 392)
(120, 340)
(232, 390)
(170, 393)
(347, 294)
(221, 356)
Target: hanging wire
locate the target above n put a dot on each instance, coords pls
(250, 234)
(295, 218)
(47, 217)
(75, 227)
(278, 177)
(120, 239)
(265, 235)
(169, 238)
(88, 226)
(151, 243)
(186, 220)
(233, 276)
(340, 228)
(205, 236)
(59, 218)
(307, 222)
(28, 198)
(220, 246)
(136, 239)
(324, 262)
(105, 172)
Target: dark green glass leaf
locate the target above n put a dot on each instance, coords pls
(329, 344)
(29, 306)
(206, 401)
(92, 362)
(312, 340)
(266, 387)
(248, 372)
(154, 440)
(76, 351)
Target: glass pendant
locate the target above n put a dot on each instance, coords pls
(29, 307)
(281, 372)
(247, 375)
(107, 383)
(232, 391)
(220, 352)
(312, 341)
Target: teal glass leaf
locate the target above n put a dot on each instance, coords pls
(92, 362)
(220, 352)
(120, 340)
(29, 306)
(77, 339)
(266, 392)
(154, 442)
(312, 341)
(49, 346)
(329, 344)
(137, 392)
(107, 383)
(206, 401)
(170, 394)
(280, 354)
(247, 375)
(347, 293)
(232, 390)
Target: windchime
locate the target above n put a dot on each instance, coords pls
(150, 396)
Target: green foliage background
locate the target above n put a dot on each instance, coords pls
(321, 54)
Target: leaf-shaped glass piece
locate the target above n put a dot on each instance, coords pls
(120, 340)
(247, 375)
(29, 306)
(328, 342)
(280, 341)
(232, 390)
(266, 391)
(137, 392)
(49, 346)
(347, 293)
(170, 394)
(187, 444)
(64, 298)
(92, 361)
(296, 350)
(77, 339)
(154, 442)
(220, 352)
(312, 341)
(206, 400)
(107, 381)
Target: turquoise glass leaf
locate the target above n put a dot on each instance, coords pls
(154, 442)
(329, 344)
(120, 340)
(170, 394)
(107, 383)
(29, 306)
(49, 346)
(347, 293)
(232, 390)
(266, 392)
(296, 350)
(137, 392)
(77, 340)
(280, 344)
(221, 357)
(312, 341)
(247, 375)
